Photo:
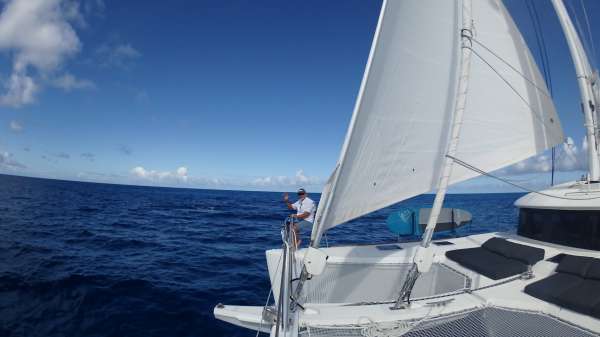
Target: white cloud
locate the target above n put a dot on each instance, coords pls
(20, 90)
(8, 162)
(299, 179)
(568, 158)
(38, 35)
(120, 55)
(16, 126)
(180, 175)
(68, 82)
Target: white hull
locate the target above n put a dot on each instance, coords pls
(432, 298)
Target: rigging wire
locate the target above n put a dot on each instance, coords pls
(507, 82)
(542, 46)
(504, 180)
(543, 51)
(530, 81)
(541, 43)
(581, 32)
(536, 114)
(589, 29)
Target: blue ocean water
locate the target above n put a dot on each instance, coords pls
(83, 259)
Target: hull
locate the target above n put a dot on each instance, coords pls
(355, 293)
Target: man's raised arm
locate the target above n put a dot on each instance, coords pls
(286, 199)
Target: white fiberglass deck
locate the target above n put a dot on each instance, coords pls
(361, 281)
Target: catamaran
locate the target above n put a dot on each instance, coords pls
(450, 91)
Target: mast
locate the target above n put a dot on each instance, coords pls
(584, 79)
(424, 255)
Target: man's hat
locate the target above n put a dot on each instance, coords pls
(301, 191)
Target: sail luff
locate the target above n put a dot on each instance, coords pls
(321, 216)
(582, 69)
(461, 102)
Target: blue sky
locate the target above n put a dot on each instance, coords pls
(217, 94)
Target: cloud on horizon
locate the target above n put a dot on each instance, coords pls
(568, 158)
(298, 180)
(180, 175)
(8, 162)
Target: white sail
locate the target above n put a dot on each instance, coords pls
(399, 132)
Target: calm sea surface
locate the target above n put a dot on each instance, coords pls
(81, 259)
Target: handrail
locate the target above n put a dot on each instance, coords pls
(283, 307)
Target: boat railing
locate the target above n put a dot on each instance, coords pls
(283, 317)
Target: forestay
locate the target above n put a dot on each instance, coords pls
(399, 132)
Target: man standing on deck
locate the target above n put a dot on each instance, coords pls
(305, 212)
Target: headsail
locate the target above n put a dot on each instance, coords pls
(400, 127)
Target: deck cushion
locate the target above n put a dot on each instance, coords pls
(596, 311)
(575, 265)
(497, 258)
(525, 254)
(593, 271)
(575, 285)
(551, 288)
(487, 263)
(581, 298)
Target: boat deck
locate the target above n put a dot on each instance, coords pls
(483, 292)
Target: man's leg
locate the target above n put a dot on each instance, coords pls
(303, 224)
(297, 238)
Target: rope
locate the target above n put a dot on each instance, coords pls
(487, 174)
(392, 329)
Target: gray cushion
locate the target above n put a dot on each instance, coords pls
(575, 265)
(487, 263)
(575, 286)
(525, 254)
(550, 288)
(596, 311)
(582, 297)
(593, 271)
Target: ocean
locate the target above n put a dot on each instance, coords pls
(85, 259)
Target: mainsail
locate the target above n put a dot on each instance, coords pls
(398, 137)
